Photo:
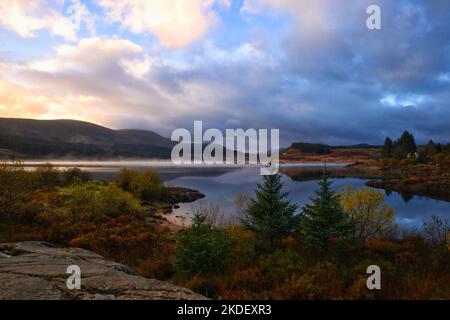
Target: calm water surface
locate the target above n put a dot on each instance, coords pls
(221, 185)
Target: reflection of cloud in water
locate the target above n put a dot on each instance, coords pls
(406, 222)
(235, 177)
(222, 184)
(223, 189)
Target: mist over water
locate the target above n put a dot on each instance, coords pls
(221, 184)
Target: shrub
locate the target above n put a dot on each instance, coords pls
(146, 186)
(127, 238)
(321, 282)
(248, 284)
(215, 214)
(358, 290)
(282, 264)
(391, 276)
(46, 177)
(241, 202)
(125, 178)
(113, 202)
(14, 190)
(368, 213)
(437, 231)
(201, 249)
(96, 201)
(78, 199)
(75, 175)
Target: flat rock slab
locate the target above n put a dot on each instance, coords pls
(35, 270)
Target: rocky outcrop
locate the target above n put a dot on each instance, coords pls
(161, 212)
(182, 195)
(37, 271)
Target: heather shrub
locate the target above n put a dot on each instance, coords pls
(15, 189)
(147, 186)
(95, 200)
(46, 178)
(75, 175)
(125, 178)
(281, 264)
(323, 281)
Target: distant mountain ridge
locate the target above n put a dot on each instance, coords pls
(59, 138)
(51, 139)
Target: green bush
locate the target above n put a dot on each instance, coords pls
(201, 249)
(147, 186)
(75, 175)
(281, 264)
(112, 201)
(15, 186)
(46, 177)
(125, 178)
(95, 200)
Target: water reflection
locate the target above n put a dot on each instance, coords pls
(221, 184)
(222, 190)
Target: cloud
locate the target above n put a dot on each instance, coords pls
(27, 17)
(359, 78)
(77, 82)
(324, 77)
(176, 23)
(310, 13)
(125, 86)
(88, 55)
(30, 103)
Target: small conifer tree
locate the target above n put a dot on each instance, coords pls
(270, 215)
(324, 222)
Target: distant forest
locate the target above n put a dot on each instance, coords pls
(35, 148)
(316, 148)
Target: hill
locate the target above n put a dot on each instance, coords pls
(26, 138)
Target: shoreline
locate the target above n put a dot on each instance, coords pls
(401, 178)
(427, 180)
(161, 212)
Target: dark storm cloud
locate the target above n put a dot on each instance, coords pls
(350, 69)
(330, 85)
(334, 82)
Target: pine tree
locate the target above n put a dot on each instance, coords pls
(386, 151)
(431, 148)
(324, 222)
(405, 145)
(270, 215)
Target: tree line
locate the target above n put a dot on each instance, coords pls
(405, 146)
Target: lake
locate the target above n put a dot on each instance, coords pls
(221, 184)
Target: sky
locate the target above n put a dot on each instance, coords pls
(310, 68)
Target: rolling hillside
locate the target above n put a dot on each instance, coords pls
(26, 138)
